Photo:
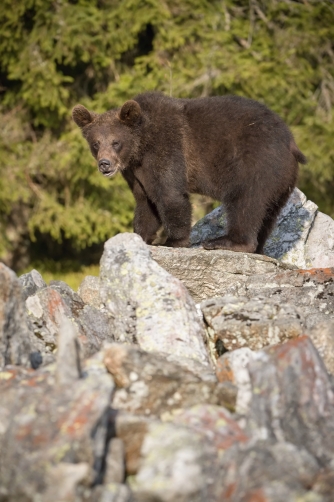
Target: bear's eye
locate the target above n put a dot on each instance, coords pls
(96, 145)
(116, 145)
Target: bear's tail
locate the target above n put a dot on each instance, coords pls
(298, 155)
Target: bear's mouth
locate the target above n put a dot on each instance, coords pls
(110, 173)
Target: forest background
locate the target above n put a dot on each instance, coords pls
(56, 210)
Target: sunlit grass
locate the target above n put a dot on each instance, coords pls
(70, 272)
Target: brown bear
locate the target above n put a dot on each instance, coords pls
(230, 148)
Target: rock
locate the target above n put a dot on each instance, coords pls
(68, 354)
(31, 283)
(112, 492)
(207, 274)
(49, 305)
(115, 458)
(238, 322)
(319, 250)
(148, 384)
(89, 291)
(322, 336)
(293, 398)
(43, 322)
(233, 367)
(310, 291)
(215, 423)
(150, 307)
(96, 324)
(289, 420)
(177, 464)
(268, 473)
(15, 346)
(52, 436)
(131, 430)
(303, 236)
(63, 480)
(288, 239)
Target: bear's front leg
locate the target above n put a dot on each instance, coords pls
(175, 212)
(146, 221)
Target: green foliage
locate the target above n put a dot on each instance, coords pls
(55, 53)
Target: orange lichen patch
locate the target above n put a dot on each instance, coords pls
(228, 492)
(299, 351)
(55, 302)
(298, 277)
(320, 274)
(36, 436)
(282, 351)
(224, 371)
(11, 376)
(34, 381)
(79, 417)
(39, 439)
(7, 375)
(23, 432)
(256, 496)
(215, 423)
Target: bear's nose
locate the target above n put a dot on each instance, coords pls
(104, 165)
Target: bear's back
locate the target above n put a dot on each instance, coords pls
(211, 119)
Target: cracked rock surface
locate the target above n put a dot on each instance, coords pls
(130, 392)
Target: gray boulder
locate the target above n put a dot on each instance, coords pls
(49, 305)
(177, 464)
(207, 274)
(31, 283)
(319, 249)
(89, 291)
(53, 432)
(293, 399)
(238, 322)
(15, 345)
(148, 384)
(150, 307)
(310, 291)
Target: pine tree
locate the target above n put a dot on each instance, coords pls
(56, 53)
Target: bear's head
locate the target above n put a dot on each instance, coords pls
(113, 136)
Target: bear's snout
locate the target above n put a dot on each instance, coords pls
(105, 167)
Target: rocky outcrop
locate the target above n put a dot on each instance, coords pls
(207, 274)
(15, 346)
(319, 248)
(138, 394)
(149, 305)
(53, 433)
(48, 305)
(31, 283)
(149, 385)
(237, 322)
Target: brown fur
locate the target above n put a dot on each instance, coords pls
(233, 149)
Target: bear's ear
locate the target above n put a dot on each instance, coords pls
(130, 112)
(82, 116)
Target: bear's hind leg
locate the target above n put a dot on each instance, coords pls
(225, 242)
(244, 216)
(270, 220)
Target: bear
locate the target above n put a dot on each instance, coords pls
(231, 148)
